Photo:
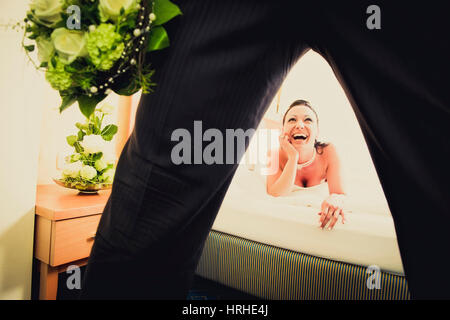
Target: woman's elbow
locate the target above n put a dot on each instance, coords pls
(272, 192)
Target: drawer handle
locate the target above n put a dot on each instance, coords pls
(92, 236)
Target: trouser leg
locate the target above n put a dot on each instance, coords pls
(397, 81)
(225, 64)
(144, 276)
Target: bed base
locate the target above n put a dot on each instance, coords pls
(274, 273)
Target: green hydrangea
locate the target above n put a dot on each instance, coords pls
(85, 83)
(58, 78)
(104, 46)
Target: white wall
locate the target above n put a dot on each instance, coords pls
(32, 133)
(22, 96)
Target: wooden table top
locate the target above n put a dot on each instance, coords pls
(57, 203)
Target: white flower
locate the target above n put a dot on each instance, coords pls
(108, 175)
(70, 44)
(106, 108)
(72, 169)
(48, 12)
(88, 172)
(92, 143)
(109, 158)
(45, 49)
(110, 9)
(100, 165)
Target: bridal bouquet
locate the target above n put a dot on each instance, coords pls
(90, 167)
(90, 48)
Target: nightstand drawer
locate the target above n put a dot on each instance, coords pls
(72, 239)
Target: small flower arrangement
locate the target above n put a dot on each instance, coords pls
(90, 48)
(90, 168)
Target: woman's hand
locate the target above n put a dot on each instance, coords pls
(287, 147)
(332, 207)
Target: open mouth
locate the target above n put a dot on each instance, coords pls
(299, 136)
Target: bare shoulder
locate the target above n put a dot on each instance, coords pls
(329, 148)
(329, 151)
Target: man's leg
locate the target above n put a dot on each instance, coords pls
(226, 62)
(397, 79)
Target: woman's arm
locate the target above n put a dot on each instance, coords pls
(333, 205)
(333, 173)
(281, 182)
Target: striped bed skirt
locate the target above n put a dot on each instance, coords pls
(274, 273)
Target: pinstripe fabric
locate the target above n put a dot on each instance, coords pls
(274, 273)
(225, 64)
(223, 68)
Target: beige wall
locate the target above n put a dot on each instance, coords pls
(32, 132)
(22, 99)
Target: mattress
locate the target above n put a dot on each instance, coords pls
(291, 222)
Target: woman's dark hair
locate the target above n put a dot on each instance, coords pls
(317, 144)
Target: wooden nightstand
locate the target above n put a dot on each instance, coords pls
(65, 227)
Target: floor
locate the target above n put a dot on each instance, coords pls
(202, 289)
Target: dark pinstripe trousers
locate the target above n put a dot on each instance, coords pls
(225, 63)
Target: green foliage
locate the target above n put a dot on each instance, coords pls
(87, 104)
(93, 125)
(29, 48)
(67, 101)
(78, 147)
(145, 79)
(158, 39)
(127, 23)
(165, 11)
(80, 135)
(97, 156)
(127, 89)
(71, 140)
(109, 131)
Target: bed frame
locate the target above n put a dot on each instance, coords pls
(269, 272)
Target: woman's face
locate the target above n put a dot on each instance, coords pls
(301, 126)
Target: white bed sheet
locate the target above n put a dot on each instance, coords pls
(367, 238)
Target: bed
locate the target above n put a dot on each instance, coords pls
(272, 247)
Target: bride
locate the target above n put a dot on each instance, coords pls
(306, 162)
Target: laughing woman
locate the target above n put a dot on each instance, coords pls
(305, 162)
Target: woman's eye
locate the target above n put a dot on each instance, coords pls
(308, 119)
(291, 119)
